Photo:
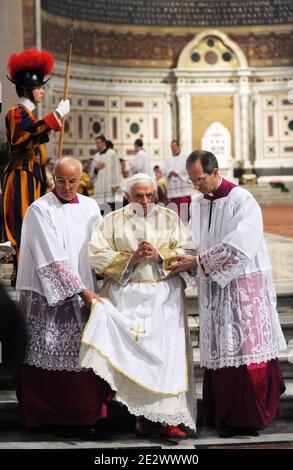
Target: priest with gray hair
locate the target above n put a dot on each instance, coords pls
(137, 338)
(56, 286)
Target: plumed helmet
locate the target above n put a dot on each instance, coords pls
(28, 69)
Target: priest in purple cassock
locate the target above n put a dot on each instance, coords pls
(240, 332)
(56, 285)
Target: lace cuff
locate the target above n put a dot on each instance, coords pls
(59, 282)
(223, 263)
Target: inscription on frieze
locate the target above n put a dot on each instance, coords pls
(180, 13)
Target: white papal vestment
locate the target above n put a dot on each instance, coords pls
(137, 340)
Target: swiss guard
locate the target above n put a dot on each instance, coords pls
(23, 179)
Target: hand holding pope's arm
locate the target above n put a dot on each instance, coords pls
(88, 296)
(183, 263)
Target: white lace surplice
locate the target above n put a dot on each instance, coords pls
(239, 322)
(53, 269)
(54, 333)
(54, 247)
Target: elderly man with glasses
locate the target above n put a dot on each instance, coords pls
(57, 287)
(137, 338)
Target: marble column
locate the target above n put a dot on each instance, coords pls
(185, 122)
(258, 129)
(169, 125)
(38, 29)
(244, 104)
(11, 40)
(237, 130)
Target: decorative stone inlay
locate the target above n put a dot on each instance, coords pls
(211, 57)
(134, 128)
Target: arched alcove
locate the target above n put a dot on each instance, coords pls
(212, 49)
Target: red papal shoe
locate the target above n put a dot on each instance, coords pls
(172, 431)
(142, 426)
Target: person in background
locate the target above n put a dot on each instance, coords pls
(125, 174)
(106, 175)
(161, 185)
(86, 186)
(141, 162)
(179, 187)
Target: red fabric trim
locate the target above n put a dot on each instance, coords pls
(52, 122)
(202, 266)
(222, 191)
(75, 200)
(257, 374)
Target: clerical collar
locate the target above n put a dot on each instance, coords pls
(27, 103)
(73, 201)
(103, 151)
(222, 190)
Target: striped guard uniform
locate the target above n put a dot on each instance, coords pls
(23, 179)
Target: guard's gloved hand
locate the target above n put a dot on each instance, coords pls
(63, 108)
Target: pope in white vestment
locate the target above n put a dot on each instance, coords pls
(137, 339)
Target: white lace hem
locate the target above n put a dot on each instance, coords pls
(172, 410)
(239, 324)
(237, 362)
(67, 368)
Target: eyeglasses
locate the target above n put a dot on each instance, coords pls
(199, 180)
(61, 181)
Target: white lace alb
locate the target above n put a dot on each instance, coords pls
(239, 322)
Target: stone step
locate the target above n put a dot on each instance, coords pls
(10, 417)
(279, 435)
(284, 300)
(267, 190)
(7, 377)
